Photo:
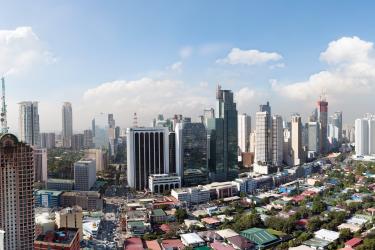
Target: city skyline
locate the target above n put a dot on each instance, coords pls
(185, 61)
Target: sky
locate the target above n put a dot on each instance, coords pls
(167, 57)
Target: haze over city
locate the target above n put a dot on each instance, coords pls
(167, 57)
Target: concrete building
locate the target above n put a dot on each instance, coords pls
(335, 130)
(296, 141)
(244, 130)
(100, 131)
(323, 121)
(88, 139)
(191, 153)
(252, 142)
(60, 184)
(87, 200)
(159, 183)
(313, 139)
(2, 233)
(365, 136)
(16, 193)
(277, 140)
(70, 217)
(77, 142)
(47, 198)
(40, 164)
(47, 140)
(263, 137)
(100, 157)
(64, 238)
(67, 124)
(29, 131)
(194, 195)
(223, 143)
(147, 153)
(84, 174)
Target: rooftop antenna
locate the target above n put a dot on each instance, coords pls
(135, 120)
(3, 119)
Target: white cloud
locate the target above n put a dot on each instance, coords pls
(146, 96)
(249, 57)
(20, 49)
(177, 66)
(351, 71)
(245, 98)
(186, 52)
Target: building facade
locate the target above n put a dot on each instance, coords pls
(16, 193)
(147, 153)
(277, 140)
(296, 140)
(323, 120)
(160, 183)
(67, 124)
(40, 165)
(47, 140)
(244, 130)
(29, 131)
(84, 174)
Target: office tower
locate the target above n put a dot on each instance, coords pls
(100, 131)
(117, 132)
(287, 146)
(277, 140)
(335, 129)
(223, 138)
(323, 119)
(40, 164)
(29, 123)
(67, 124)
(208, 113)
(191, 153)
(147, 153)
(263, 154)
(313, 139)
(244, 130)
(84, 174)
(88, 139)
(252, 142)
(365, 136)
(77, 142)
(16, 193)
(172, 152)
(47, 140)
(371, 135)
(296, 141)
(314, 116)
(70, 217)
(100, 157)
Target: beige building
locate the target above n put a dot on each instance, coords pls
(70, 217)
(296, 141)
(99, 156)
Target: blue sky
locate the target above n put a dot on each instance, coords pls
(178, 45)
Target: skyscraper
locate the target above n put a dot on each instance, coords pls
(296, 141)
(191, 153)
(323, 120)
(84, 174)
(16, 193)
(223, 138)
(313, 139)
(244, 130)
(47, 140)
(335, 129)
(277, 140)
(365, 136)
(67, 124)
(100, 132)
(263, 137)
(29, 123)
(88, 139)
(147, 153)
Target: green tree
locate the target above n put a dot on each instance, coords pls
(181, 215)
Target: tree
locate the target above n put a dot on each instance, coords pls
(181, 215)
(345, 234)
(318, 206)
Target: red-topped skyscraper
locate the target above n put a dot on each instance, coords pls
(323, 120)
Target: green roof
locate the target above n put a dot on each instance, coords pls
(259, 236)
(158, 212)
(136, 224)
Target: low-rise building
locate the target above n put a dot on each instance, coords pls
(194, 195)
(192, 240)
(159, 183)
(158, 216)
(60, 184)
(87, 200)
(70, 217)
(261, 237)
(47, 198)
(63, 238)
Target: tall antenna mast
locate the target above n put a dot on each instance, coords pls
(3, 119)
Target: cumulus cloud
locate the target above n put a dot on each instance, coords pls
(177, 66)
(21, 49)
(148, 97)
(351, 69)
(246, 98)
(249, 57)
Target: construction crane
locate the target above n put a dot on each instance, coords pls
(3, 119)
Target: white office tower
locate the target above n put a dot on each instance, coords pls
(252, 142)
(262, 138)
(371, 136)
(147, 153)
(296, 141)
(84, 174)
(29, 123)
(244, 130)
(67, 124)
(313, 139)
(364, 137)
(277, 140)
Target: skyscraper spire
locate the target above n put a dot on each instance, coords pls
(3, 119)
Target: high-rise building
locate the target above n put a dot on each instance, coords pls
(47, 140)
(313, 139)
(252, 142)
(223, 138)
(296, 141)
(335, 129)
(172, 152)
(40, 164)
(29, 131)
(323, 120)
(191, 153)
(277, 140)
(88, 139)
(263, 138)
(67, 124)
(244, 130)
(100, 157)
(100, 131)
(16, 193)
(147, 153)
(365, 136)
(84, 174)
(77, 142)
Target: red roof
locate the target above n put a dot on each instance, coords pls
(210, 220)
(220, 246)
(298, 198)
(353, 242)
(133, 243)
(172, 244)
(302, 222)
(153, 245)
(165, 228)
